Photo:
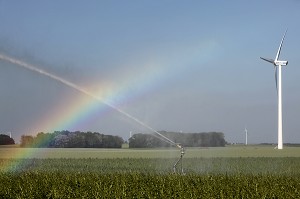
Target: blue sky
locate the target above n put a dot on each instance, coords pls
(188, 66)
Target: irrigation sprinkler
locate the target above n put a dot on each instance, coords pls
(182, 152)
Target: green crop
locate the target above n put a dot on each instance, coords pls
(139, 185)
(150, 178)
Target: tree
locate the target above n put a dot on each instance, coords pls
(26, 141)
(67, 139)
(90, 140)
(6, 140)
(211, 139)
(146, 141)
(43, 139)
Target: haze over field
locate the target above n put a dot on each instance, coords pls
(176, 66)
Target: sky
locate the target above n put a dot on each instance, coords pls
(184, 66)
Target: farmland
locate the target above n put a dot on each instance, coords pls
(217, 152)
(227, 172)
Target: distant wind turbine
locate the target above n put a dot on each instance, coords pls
(246, 134)
(277, 66)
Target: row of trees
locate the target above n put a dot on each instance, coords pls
(78, 139)
(6, 140)
(67, 139)
(210, 139)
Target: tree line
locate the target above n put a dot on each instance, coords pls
(6, 140)
(78, 139)
(67, 139)
(209, 139)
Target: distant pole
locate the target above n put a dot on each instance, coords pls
(246, 134)
(10, 134)
(280, 145)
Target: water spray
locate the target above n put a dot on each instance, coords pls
(86, 92)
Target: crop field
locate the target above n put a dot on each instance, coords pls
(229, 172)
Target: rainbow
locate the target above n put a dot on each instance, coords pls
(134, 85)
(83, 107)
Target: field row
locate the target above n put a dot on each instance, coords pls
(255, 166)
(138, 185)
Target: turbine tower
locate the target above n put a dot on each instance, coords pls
(277, 66)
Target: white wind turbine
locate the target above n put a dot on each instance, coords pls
(277, 66)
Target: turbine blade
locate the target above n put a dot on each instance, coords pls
(279, 49)
(268, 60)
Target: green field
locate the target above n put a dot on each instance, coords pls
(227, 172)
(225, 152)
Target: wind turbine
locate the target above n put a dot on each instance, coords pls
(277, 66)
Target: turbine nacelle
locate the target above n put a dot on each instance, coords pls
(276, 63)
(281, 63)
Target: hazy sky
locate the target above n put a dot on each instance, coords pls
(190, 66)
